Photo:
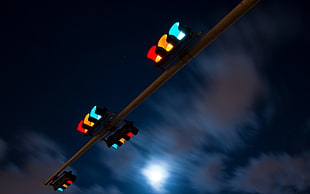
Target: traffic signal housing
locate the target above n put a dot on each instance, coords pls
(64, 181)
(168, 44)
(125, 133)
(92, 120)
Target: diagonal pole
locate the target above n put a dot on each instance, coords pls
(242, 8)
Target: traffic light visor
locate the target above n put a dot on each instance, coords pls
(164, 44)
(87, 122)
(176, 32)
(80, 128)
(153, 55)
(93, 113)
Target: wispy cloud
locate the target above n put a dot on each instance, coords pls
(274, 173)
(41, 158)
(97, 189)
(208, 174)
(123, 162)
(215, 112)
(230, 93)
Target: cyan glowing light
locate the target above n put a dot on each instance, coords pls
(93, 113)
(176, 32)
(156, 174)
(115, 146)
(60, 189)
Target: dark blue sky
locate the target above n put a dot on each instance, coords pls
(234, 120)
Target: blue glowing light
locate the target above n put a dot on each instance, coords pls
(176, 32)
(60, 189)
(115, 146)
(93, 113)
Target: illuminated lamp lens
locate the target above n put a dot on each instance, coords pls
(158, 58)
(129, 134)
(181, 35)
(60, 189)
(65, 186)
(69, 181)
(122, 140)
(115, 146)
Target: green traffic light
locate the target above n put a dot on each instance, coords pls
(60, 189)
(176, 32)
(115, 146)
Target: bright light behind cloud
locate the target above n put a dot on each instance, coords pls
(156, 174)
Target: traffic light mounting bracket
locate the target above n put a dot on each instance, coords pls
(101, 125)
(178, 53)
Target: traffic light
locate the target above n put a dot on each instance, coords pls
(168, 43)
(64, 181)
(121, 135)
(98, 113)
(92, 120)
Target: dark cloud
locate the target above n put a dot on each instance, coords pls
(215, 111)
(3, 149)
(274, 173)
(207, 176)
(42, 156)
(38, 162)
(234, 86)
(97, 189)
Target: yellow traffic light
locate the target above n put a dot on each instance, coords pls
(164, 43)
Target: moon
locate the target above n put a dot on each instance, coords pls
(156, 173)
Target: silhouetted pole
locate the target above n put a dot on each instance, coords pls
(216, 31)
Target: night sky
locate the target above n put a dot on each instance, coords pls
(235, 120)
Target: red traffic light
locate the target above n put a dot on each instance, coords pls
(80, 128)
(130, 134)
(153, 55)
